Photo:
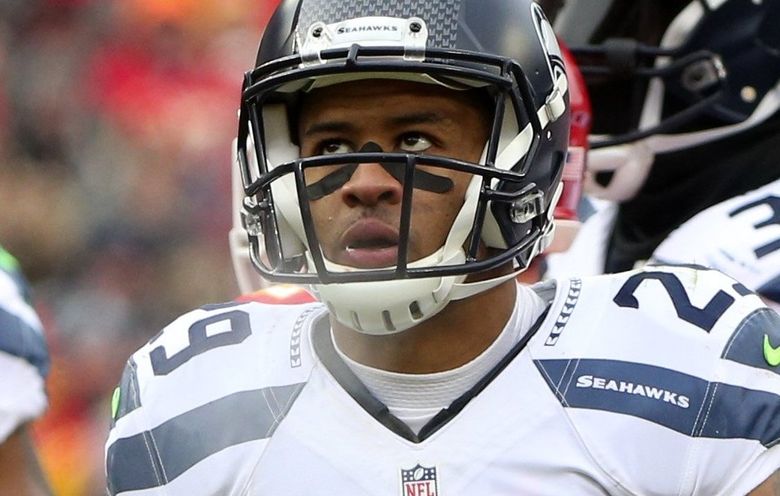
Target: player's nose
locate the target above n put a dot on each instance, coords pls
(370, 185)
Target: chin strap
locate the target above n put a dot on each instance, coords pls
(463, 290)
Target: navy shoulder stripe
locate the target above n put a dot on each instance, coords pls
(684, 403)
(771, 290)
(755, 340)
(191, 437)
(129, 397)
(10, 267)
(20, 339)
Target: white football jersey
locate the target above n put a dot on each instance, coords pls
(740, 236)
(24, 358)
(662, 381)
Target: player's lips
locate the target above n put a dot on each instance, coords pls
(369, 244)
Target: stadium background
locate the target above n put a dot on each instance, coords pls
(115, 123)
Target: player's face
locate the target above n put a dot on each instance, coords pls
(357, 209)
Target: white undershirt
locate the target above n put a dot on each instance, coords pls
(417, 398)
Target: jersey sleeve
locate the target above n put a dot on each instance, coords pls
(723, 336)
(24, 357)
(744, 401)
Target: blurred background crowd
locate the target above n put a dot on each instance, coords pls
(116, 118)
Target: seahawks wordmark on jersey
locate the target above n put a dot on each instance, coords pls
(24, 359)
(653, 382)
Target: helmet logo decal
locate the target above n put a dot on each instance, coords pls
(335, 180)
(411, 33)
(550, 43)
(441, 16)
(366, 28)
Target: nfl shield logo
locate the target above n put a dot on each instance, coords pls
(419, 481)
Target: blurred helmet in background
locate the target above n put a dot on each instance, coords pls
(567, 219)
(667, 75)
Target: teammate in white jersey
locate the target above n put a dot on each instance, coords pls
(24, 363)
(686, 99)
(404, 160)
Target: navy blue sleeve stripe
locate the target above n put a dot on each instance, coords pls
(191, 437)
(771, 290)
(746, 345)
(9, 267)
(767, 249)
(129, 394)
(24, 341)
(686, 404)
(740, 413)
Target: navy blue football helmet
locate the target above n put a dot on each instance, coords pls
(504, 48)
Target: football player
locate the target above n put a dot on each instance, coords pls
(686, 98)
(404, 159)
(24, 363)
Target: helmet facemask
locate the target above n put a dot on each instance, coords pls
(504, 217)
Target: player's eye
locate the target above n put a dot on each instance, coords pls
(414, 142)
(332, 147)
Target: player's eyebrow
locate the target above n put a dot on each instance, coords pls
(328, 127)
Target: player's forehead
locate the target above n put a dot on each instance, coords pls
(387, 99)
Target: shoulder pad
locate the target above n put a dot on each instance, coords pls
(677, 357)
(214, 378)
(268, 343)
